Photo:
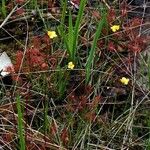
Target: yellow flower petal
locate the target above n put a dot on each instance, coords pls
(115, 28)
(70, 65)
(124, 80)
(51, 34)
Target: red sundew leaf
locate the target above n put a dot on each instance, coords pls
(46, 39)
(64, 136)
(132, 28)
(20, 11)
(19, 1)
(73, 103)
(72, 97)
(53, 63)
(31, 146)
(17, 79)
(95, 102)
(134, 48)
(44, 66)
(104, 32)
(124, 12)
(90, 116)
(82, 103)
(124, 9)
(36, 61)
(96, 14)
(121, 48)
(53, 128)
(33, 52)
(142, 41)
(111, 15)
(137, 45)
(9, 6)
(35, 58)
(88, 90)
(118, 35)
(100, 43)
(7, 137)
(36, 42)
(19, 57)
(135, 22)
(111, 47)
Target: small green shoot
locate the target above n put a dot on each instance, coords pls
(20, 125)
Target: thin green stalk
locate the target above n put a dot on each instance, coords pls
(64, 6)
(70, 36)
(90, 59)
(77, 25)
(20, 126)
(4, 11)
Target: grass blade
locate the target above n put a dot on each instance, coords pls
(70, 36)
(64, 9)
(93, 48)
(77, 25)
(4, 11)
(20, 125)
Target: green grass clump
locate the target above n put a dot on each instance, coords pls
(80, 77)
(71, 36)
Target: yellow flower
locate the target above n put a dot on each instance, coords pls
(115, 28)
(124, 80)
(51, 34)
(70, 65)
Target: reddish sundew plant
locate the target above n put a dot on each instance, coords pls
(34, 58)
(19, 59)
(20, 11)
(60, 109)
(64, 136)
(111, 47)
(53, 129)
(124, 9)
(111, 16)
(20, 1)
